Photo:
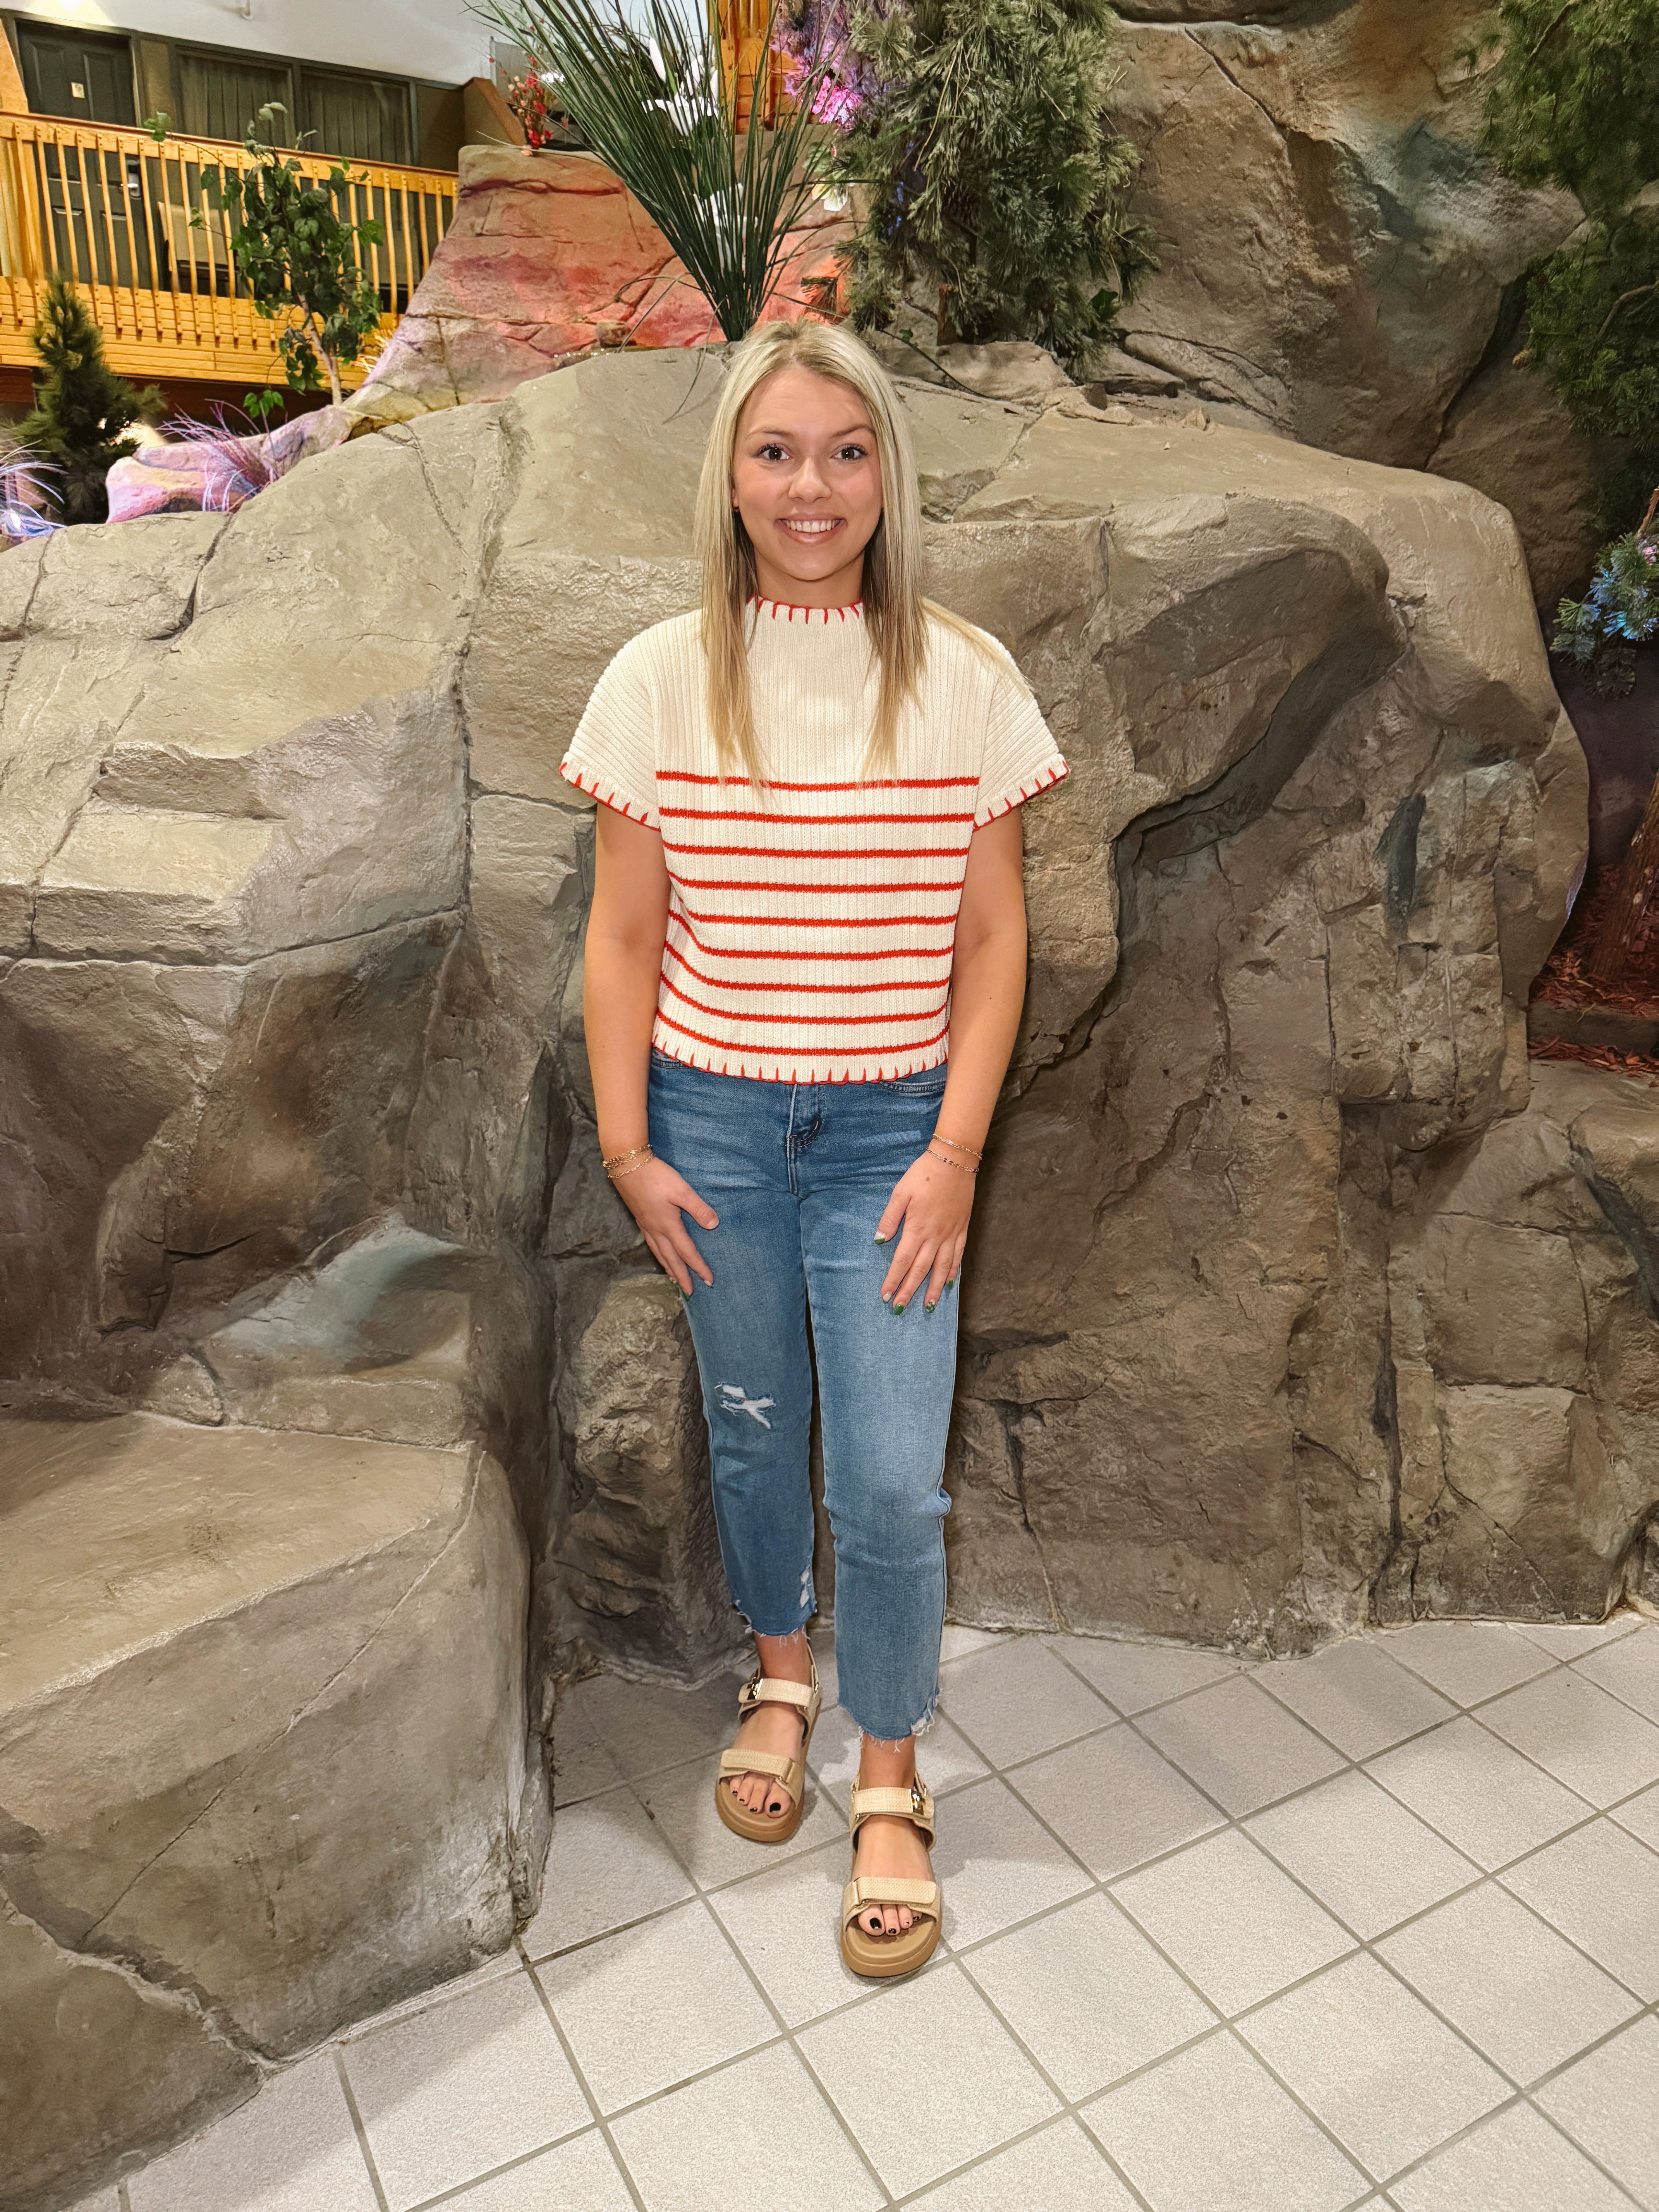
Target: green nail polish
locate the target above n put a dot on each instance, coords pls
(931, 1302)
(880, 1239)
(898, 1309)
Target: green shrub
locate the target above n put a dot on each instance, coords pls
(1574, 101)
(994, 181)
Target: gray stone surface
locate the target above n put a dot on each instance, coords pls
(261, 1736)
(1293, 1299)
(1338, 261)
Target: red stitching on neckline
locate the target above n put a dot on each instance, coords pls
(792, 609)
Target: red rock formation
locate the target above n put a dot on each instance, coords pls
(546, 249)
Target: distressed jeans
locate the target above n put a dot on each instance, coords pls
(799, 1174)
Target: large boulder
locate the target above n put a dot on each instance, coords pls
(1338, 261)
(548, 255)
(1285, 1311)
(262, 1730)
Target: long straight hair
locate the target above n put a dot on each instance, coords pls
(895, 612)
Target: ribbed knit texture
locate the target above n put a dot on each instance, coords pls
(810, 926)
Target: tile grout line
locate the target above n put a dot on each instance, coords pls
(788, 2034)
(784, 2032)
(591, 2100)
(1525, 2095)
(1224, 2027)
(1363, 1948)
(1228, 1821)
(1054, 2121)
(507, 2166)
(1582, 2149)
(358, 2128)
(1368, 1944)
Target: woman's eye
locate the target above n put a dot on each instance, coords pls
(771, 453)
(852, 453)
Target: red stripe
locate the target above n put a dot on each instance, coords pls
(772, 952)
(746, 884)
(824, 851)
(872, 783)
(793, 990)
(829, 821)
(819, 1052)
(809, 1020)
(822, 921)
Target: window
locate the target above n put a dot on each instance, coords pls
(365, 119)
(70, 73)
(220, 95)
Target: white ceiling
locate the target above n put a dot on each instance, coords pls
(436, 39)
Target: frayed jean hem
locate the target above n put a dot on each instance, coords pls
(877, 1736)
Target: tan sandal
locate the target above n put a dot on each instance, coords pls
(881, 1957)
(760, 1828)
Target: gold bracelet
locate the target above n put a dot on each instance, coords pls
(945, 1161)
(642, 1159)
(617, 1158)
(956, 1145)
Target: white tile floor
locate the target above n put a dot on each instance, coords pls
(1375, 1929)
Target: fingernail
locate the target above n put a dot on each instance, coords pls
(885, 1296)
(900, 1308)
(931, 1302)
(880, 1239)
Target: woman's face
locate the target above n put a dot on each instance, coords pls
(806, 479)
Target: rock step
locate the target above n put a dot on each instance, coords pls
(262, 1739)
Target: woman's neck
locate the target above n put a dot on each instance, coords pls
(843, 589)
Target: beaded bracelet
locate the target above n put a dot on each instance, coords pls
(956, 1145)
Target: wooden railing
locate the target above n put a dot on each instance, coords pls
(758, 70)
(112, 209)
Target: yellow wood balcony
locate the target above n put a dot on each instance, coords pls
(112, 209)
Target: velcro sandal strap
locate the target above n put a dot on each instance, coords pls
(762, 1690)
(759, 1762)
(866, 1890)
(916, 1804)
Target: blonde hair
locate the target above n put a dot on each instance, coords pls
(895, 612)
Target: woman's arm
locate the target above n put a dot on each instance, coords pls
(621, 966)
(987, 988)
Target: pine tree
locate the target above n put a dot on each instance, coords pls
(995, 181)
(82, 410)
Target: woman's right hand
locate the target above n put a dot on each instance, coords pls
(659, 1197)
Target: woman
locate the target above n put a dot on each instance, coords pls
(805, 967)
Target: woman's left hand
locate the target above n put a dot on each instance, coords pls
(933, 1201)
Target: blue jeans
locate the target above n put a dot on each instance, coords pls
(800, 1174)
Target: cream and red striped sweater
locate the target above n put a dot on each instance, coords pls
(811, 926)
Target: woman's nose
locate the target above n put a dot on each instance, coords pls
(808, 484)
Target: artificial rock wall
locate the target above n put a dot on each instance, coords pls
(296, 891)
(1339, 263)
(344, 1400)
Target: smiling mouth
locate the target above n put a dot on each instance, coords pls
(808, 527)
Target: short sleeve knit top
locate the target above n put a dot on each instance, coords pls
(810, 926)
